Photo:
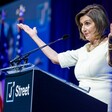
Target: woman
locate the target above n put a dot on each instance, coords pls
(92, 61)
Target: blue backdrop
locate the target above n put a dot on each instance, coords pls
(53, 19)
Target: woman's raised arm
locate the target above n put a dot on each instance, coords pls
(48, 51)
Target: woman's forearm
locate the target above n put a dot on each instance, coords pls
(48, 51)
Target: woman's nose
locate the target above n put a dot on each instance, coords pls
(83, 29)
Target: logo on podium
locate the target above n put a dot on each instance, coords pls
(14, 91)
(10, 92)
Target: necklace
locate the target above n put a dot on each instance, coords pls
(90, 46)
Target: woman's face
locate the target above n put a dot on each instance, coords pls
(88, 28)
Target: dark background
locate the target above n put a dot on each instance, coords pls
(4, 2)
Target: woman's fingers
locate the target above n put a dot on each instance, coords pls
(20, 25)
(23, 26)
(27, 29)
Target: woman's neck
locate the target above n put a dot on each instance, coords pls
(93, 44)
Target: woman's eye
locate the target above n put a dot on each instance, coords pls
(87, 23)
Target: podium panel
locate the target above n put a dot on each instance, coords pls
(37, 91)
(18, 91)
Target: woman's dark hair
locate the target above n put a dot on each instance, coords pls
(98, 14)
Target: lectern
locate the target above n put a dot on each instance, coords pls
(34, 90)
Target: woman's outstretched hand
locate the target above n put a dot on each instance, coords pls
(31, 32)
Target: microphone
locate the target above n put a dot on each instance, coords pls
(24, 57)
